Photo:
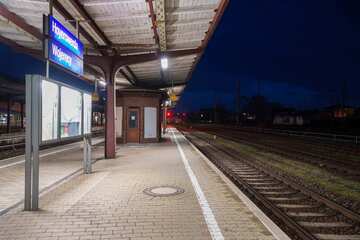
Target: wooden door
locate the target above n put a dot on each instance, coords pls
(133, 125)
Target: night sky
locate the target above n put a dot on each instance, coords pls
(301, 51)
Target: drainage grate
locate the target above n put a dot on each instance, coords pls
(163, 191)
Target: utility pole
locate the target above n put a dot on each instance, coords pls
(344, 93)
(258, 86)
(237, 110)
(215, 108)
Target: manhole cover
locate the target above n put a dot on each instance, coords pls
(163, 191)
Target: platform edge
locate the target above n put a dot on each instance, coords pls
(265, 220)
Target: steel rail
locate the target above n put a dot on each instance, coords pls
(350, 167)
(331, 204)
(288, 221)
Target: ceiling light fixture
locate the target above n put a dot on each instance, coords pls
(164, 63)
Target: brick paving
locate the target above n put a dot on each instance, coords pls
(53, 167)
(110, 203)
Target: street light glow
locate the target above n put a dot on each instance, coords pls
(102, 83)
(164, 63)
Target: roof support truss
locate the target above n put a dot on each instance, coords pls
(71, 19)
(115, 62)
(85, 15)
(160, 23)
(126, 76)
(135, 79)
(218, 14)
(35, 53)
(182, 22)
(153, 21)
(19, 22)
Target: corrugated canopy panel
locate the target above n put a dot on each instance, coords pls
(32, 12)
(130, 27)
(187, 22)
(123, 22)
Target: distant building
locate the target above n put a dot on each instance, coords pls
(343, 112)
(290, 119)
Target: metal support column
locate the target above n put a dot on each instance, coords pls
(87, 155)
(110, 141)
(47, 60)
(32, 142)
(164, 119)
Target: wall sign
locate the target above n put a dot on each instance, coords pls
(62, 47)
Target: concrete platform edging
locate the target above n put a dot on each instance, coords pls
(209, 217)
(265, 220)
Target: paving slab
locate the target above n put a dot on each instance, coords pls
(111, 203)
(55, 164)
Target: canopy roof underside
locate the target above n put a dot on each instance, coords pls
(122, 27)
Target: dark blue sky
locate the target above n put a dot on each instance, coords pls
(300, 50)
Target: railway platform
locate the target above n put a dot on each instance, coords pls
(56, 165)
(166, 190)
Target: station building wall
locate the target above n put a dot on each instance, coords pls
(149, 109)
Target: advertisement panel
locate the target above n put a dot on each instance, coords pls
(65, 112)
(71, 110)
(87, 113)
(49, 106)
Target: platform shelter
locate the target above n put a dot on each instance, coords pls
(125, 42)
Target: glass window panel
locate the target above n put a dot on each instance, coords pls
(87, 113)
(70, 112)
(49, 109)
(133, 119)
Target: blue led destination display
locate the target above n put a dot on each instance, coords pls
(58, 32)
(61, 55)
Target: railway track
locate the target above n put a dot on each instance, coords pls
(327, 145)
(322, 147)
(303, 214)
(325, 158)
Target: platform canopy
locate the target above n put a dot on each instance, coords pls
(134, 33)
